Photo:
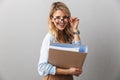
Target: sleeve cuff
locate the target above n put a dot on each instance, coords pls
(77, 42)
(45, 69)
(53, 70)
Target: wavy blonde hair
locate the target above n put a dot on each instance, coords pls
(65, 36)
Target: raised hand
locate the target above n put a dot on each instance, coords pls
(74, 21)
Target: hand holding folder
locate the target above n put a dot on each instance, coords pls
(67, 55)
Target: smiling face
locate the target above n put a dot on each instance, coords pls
(59, 19)
(58, 22)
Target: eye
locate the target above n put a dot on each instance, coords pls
(65, 17)
(57, 17)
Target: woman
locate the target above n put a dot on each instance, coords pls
(62, 29)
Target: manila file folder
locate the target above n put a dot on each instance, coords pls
(66, 59)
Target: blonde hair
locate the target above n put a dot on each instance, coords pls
(65, 36)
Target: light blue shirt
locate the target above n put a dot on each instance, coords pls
(44, 68)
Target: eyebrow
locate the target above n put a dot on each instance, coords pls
(60, 16)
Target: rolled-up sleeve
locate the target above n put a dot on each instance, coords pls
(44, 68)
(76, 42)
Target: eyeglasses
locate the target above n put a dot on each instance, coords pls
(58, 18)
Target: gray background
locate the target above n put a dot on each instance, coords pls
(23, 25)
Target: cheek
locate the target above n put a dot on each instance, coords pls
(55, 23)
(67, 23)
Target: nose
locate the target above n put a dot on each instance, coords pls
(62, 19)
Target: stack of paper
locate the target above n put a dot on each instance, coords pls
(67, 55)
(69, 47)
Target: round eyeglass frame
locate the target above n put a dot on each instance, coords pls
(58, 18)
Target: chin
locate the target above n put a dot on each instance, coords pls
(61, 29)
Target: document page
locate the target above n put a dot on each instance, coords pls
(69, 47)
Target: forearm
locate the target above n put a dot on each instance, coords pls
(70, 71)
(76, 35)
(62, 71)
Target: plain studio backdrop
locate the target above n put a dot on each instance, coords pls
(23, 25)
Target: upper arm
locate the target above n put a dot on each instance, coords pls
(45, 48)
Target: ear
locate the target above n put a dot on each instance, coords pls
(52, 19)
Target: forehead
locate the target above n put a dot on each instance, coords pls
(59, 13)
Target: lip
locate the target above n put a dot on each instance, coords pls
(61, 24)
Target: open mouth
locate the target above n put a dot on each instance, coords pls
(61, 24)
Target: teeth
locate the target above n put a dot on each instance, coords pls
(61, 24)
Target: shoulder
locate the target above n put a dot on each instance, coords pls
(49, 37)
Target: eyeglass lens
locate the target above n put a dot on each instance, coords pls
(58, 18)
